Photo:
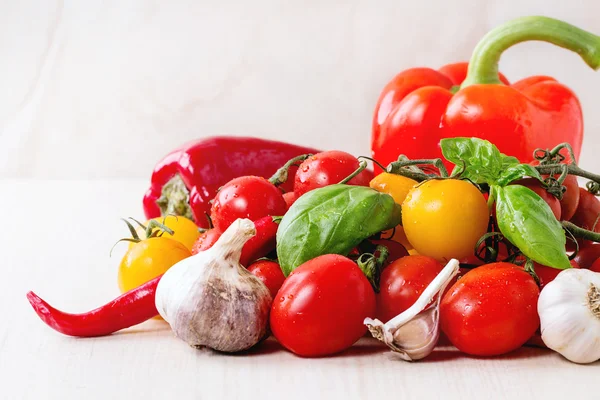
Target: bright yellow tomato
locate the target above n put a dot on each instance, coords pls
(398, 187)
(444, 219)
(185, 230)
(148, 259)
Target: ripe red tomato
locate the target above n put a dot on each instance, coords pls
(395, 249)
(587, 214)
(537, 187)
(570, 199)
(596, 266)
(270, 273)
(548, 274)
(321, 307)
(328, 168)
(586, 256)
(491, 310)
(402, 282)
(249, 197)
(290, 198)
(206, 240)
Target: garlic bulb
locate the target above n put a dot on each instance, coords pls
(415, 332)
(210, 300)
(569, 309)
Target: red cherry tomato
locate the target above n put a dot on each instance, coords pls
(402, 282)
(270, 273)
(537, 187)
(596, 266)
(395, 249)
(249, 197)
(587, 214)
(491, 310)
(206, 240)
(586, 256)
(328, 168)
(290, 198)
(570, 199)
(321, 307)
(548, 274)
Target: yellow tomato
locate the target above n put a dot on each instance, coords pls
(148, 259)
(184, 230)
(444, 219)
(398, 187)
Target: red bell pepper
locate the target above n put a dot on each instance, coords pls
(420, 106)
(188, 178)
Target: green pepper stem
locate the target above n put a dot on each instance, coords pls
(483, 67)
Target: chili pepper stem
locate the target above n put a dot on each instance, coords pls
(483, 66)
(175, 198)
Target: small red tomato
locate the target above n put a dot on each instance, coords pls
(290, 198)
(586, 256)
(491, 310)
(587, 214)
(206, 240)
(570, 199)
(321, 307)
(328, 168)
(270, 273)
(395, 249)
(249, 197)
(548, 274)
(595, 266)
(537, 187)
(402, 282)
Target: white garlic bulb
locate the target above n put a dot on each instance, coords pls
(210, 300)
(414, 333)
(569, 309)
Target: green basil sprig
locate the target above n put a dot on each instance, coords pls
(524, 218)
(332, 220)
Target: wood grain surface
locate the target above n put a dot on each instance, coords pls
(55, 239)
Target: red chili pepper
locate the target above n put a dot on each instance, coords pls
(187, 179)
(131, 308)
(420, 106)
(258, 246)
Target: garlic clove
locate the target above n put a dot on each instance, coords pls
(569, 310)
(414, 333)
(210, 300)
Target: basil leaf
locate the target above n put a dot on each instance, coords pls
(332, 220)
(476, 159)
(518, 171)
(527, 222)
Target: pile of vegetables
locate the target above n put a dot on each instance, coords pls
(472, 224)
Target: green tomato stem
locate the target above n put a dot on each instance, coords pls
(483, 66)
(580, 232)
(281, 175)
(362, 165)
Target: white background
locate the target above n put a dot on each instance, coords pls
(103, 89)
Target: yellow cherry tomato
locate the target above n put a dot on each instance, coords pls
(184, 230)
(148, 259)
(444, 219)
(398, 187)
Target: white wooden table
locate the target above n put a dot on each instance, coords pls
(55, 239)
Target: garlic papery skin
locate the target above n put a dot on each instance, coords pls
(210, 300)
(569, 310)
(414, 333)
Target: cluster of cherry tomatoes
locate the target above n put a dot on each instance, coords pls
(320, 307)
